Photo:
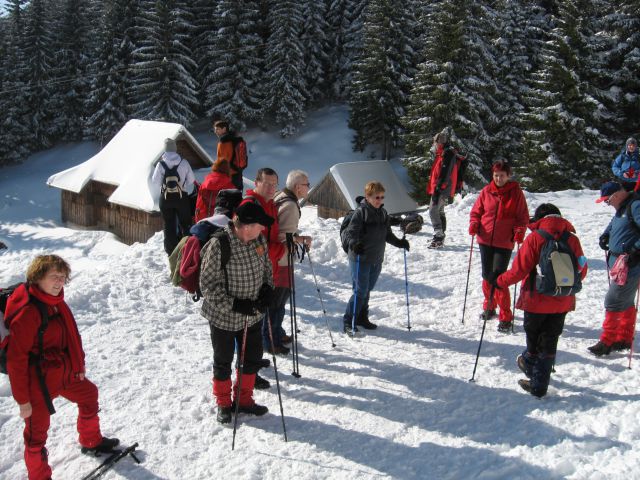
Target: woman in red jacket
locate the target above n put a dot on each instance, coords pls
(41, 370)
(543, 314)
(217, 180)
(498, 219)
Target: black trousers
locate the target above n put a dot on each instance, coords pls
(494, 259)
(176, 214)
(236, 179)
(543, 331)
(224, 345)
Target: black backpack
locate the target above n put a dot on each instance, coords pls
(343, 227)
(559, 275)
(171, 181)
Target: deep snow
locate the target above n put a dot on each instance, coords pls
(391, 404)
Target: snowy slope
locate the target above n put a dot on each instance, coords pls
(391, 404)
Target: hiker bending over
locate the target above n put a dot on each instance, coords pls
(543, 314)
(55, 360)
(367, 234)
(235, 299)
(498, 219)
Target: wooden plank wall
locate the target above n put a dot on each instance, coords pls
(329, 199)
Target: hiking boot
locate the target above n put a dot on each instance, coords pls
(224, 415)
(522, 365)
(348, 330)
(600, 349)
(436, 242)
(366, 324)
(279, 350)
(526, 386)
(253, 409)
(286, 339)
(620, 346)
(106, 445)
(505, 327)
(264, 363)
(261, 383)
(488, 314)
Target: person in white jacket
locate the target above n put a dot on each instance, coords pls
(174, 180)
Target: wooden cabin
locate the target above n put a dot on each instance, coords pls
(336, 193)
(112, 191)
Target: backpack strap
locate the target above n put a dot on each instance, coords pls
(225, 254)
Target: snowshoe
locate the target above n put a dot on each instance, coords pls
(348, 329)
(224, 415)
(264, 363)
(107, 445)
(600, 349)
(505, 327)
(261, 383)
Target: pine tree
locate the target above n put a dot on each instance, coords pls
(164, 87)
(315, 45)
(285, 66)
(235, 85)
(381, 76)
(205, 49)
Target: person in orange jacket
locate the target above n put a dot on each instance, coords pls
(498, 219)
(57, 363)
(226, 151)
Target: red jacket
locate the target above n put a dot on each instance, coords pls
(206, 201)
(444, 173)
(526, 261)
(64, 357)
(498, 212)
(276, 248)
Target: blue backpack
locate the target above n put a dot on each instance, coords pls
(558, 272)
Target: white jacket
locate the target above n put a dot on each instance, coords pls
(184, 170)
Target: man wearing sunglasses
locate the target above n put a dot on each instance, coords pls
(367, 234)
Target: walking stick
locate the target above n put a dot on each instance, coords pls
(406, 285)
(633, 332)
(355, 297)
(484, 324)
(240, 369)
(275, 370)
(292, 309)
(324, 312)
(466, 289)
(515, 293)
(606, 262)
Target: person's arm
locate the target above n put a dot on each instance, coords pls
(353, 232)
(616, 166)
(477, 211)
(523, 264)
(24, 330)
(212, 277)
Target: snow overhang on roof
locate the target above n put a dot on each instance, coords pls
(127, 162)
(351, 177)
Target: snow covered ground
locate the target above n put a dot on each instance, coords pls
(391, 404)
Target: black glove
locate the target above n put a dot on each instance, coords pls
(265, 298)
(358, 248)
(244, 306)
(604, 242)
(404, 243)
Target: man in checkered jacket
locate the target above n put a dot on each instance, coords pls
(235, 303)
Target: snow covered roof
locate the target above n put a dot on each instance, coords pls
(127, 162)
(351, 177)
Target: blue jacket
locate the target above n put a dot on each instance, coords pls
(626, 162)
(623, 234)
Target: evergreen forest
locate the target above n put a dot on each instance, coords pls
(552, 86)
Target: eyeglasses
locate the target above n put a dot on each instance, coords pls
(308, 185)
(267, 184)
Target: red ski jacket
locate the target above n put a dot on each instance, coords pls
(276, 248)
(499, 212)
(206, 201)
(526, 261)
(62, 345)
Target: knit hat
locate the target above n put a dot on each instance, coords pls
(170, 145)
(608, 189)
(544, 210)
(250, 211)
(632, 141)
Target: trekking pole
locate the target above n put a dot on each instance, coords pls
(484, 324)
(292, 308)
(406, 284)
(355, 298)
(275, 371)
(466, 289)
(515, 292)
(633, 332)
(606, 262)
(240, 370)
(324, 312)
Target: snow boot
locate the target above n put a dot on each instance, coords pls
(600, 349)
(540, 375)
(346, 328)
(106, 445)
(436, 242)
(620, 346)
(488, 314)
(525, 363)
(264, 363)
(363, 320)
(224, 415)
(261, 383)
(526, 386)
(245, 399)
(504, 327)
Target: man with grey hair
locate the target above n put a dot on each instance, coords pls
(296, 189)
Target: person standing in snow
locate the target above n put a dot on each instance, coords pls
(544, 315)
(367, 234)
(234, 296)
(297, 188)
(54, 359)
(443, 183)
(217, 180)
(498, 219)
(174, 179)
(626, 165)
(226, 151)
(622, 236)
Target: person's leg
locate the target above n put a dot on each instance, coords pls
(360, 275)
(223, 349)
(35, 432)
(85, 395)
(436, 220)
(486, 261)
(169, 218)
(550, 329)
(185, 220)
(251, 365)
(618, 299)
(363, 312)
(236, 179)
(501, 258)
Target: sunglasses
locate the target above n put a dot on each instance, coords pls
(308, 185)
(379, 197)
